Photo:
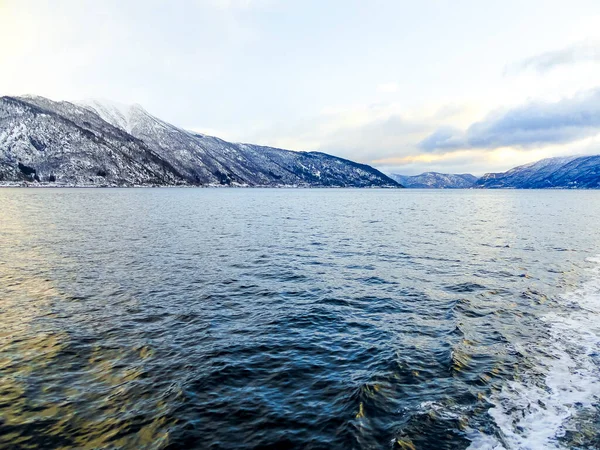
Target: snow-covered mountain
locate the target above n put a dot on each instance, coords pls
(50, 141)
(564, 172)
(97, 143)
(435, 180)
(120, 115)
(569, 172)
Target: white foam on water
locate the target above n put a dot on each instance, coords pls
(534, 415)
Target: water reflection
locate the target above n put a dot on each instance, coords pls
(57, 389)
(275, 319)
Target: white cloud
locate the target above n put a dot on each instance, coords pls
(237, 4)
(387, 88)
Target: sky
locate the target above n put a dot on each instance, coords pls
(449, 86)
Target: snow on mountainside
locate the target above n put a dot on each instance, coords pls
(210, 160)
(434, 180)
(562, 172)
(117, 114)
(98, 142)
(48, 141)
(569, 172)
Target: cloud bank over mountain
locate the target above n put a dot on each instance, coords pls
(530, 125)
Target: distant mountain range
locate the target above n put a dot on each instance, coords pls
(435, 180)
(99, 143)
(567, 173)
(574, 172)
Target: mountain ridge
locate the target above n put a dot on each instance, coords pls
(98, 144)
(436, 180)
(571, 172)
(563, 172)
(102, 143)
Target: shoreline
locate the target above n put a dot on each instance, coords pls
(287, 186)
(205, 186)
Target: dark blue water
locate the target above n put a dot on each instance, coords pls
(314, 319)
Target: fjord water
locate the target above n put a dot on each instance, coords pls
(333, 319)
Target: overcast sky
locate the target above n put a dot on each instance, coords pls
(407, 86)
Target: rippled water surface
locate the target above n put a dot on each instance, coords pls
(316, 319)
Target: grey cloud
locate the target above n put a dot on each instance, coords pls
(382, 138)
(526, 126)
(581, 52)
(393, 136)
(444, 138)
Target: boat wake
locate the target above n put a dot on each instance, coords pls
(555, 404)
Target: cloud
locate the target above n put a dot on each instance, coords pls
(466, 161)
(237, 4)
(361, 133)
(577, 53)
(478, 162)
(380, 138)
(387, 88)
(526, 126)
(448, 138)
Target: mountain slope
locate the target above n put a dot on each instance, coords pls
(39, 142)
(100, 143)
(210, 160)
(435, 180)
(567, 172)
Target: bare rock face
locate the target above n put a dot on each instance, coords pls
(100, 143)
